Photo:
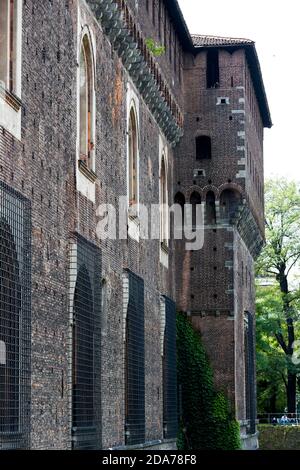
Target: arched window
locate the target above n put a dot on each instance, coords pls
(8, 43)
(10, 308)
(164, 203)
(210, 208)
(230, 200)
(203, 147)
(195, 202)
(86, 103)
(133, 157)
(180, 200)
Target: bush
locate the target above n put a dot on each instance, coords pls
(207, 422)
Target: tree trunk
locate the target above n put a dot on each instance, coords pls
(273, 399)
(291, 392)
(289, 349)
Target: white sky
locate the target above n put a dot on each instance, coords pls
(275, 27)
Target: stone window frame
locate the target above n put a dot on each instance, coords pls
(11, 81)
(133, 210)
(87, 165)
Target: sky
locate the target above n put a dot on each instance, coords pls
(275, 28)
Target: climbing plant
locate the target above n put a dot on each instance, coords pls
(156, 49)
(206, 419)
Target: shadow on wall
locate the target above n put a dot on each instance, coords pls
(230, 201)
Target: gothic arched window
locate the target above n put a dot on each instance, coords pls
(164, 202)
(133, 157)
(8, 43)
(86, 103)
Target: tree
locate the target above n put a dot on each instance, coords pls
(279, 259)
(270, 358)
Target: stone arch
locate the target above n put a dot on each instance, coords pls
(233, 186)
(191, 190)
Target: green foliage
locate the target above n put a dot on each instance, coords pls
(282, 206)
(157, 49)
(278, 299)
(270, 359)
(207, 420)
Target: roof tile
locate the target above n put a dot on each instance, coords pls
(200, 40)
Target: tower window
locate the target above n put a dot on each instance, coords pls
(203, 147)
(180, 199)
(195, 203)
(86, 103)
(212, 69)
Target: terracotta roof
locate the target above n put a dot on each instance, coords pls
(200, 40)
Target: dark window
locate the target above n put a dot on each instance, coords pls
(212, 69)
(86, 348)
(170, 43)
(250, 373)
(147, 5)
(195, 202)
(159, 18)
(210, 208)
(170, 372)
(135, 363)
(15, 322)
(203, 147)
(180, 200)
(153, 11)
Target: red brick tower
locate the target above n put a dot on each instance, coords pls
(219, 163)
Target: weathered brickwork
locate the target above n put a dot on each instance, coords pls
(215, 285)
(210, 285)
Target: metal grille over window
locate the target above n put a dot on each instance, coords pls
(170, 373)
(250, 373)
(15, 319)
(86, 344)
(135, 363)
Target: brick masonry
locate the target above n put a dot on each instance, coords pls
(42, 166)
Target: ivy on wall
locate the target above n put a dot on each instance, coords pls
(206, 420)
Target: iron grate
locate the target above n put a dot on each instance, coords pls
(135, 363)
(86, 341)
(15, 319)
(170, 414)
